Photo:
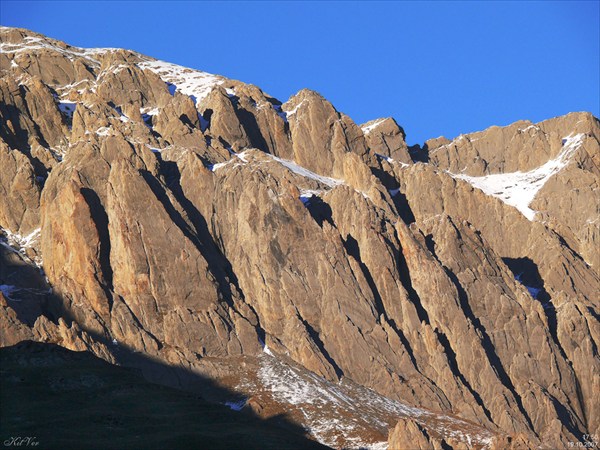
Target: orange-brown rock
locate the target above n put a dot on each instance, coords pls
(386, 138)
(197, 221)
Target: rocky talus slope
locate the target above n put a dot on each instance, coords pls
(147, 209)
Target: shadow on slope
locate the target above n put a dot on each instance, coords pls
(23, 284)
(74, 400)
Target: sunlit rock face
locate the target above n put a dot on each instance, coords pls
(150, 209)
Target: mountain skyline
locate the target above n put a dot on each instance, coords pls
(437, 68)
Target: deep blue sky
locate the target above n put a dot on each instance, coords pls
(439, 68)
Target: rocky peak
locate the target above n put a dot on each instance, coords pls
(200, 222)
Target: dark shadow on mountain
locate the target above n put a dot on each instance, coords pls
(186, 121)
(418, 153)
(199, 232)
(74, 400)
(453, 363)
(404, 274)
(319, 210)
(386, 178)
(486, 341)
(526, 272)
(16, 137)
(25, 287)
(353, 250)
(316, 338)
(250, 124)
(206, 116)
(100, 219)
(403, 208)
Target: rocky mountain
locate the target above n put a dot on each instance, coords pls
(194, 227)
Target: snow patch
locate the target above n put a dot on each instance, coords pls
(293, 111)
(22, 242)
(530, 127)
(214, 167)
(149, 111)
(333, 411)
(122, 117)
(306, 195)
(518, 189)
(366, 129)
(31, 43)
(378, 446)
(302, 171)
(241, 156)
(387, 158)
(193, 83)
(19, 244)
(103, 131)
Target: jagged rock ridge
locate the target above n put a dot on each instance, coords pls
(194, 218)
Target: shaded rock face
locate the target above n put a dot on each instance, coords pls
(192, 218)
(36, 374)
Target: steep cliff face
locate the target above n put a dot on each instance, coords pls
(197, 220)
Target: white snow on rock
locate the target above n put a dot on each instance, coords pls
(291, 165)
(122, 117)
(214, 167)
(304, 172)
(306, 195)
(287, 114)
(518, 189)
(19, 244)
(103, 131)
(387, 158)
(530, 127)
(150, 111)
(368, 128)
(37, 43)
(193, 83)
(340, 414)
(22, 242)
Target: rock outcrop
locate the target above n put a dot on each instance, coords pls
(194, 219)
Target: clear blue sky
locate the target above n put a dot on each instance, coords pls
(439, 68)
